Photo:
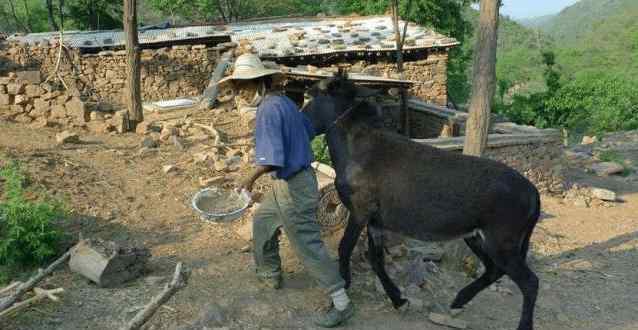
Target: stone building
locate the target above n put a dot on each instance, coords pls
(177, 62)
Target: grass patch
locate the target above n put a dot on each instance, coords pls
(29, 223)
(320, 150)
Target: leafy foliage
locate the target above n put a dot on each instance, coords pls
(28, 232)
(320, 150)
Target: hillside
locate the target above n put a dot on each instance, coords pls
(519, 64)
(535, 22)
(575, 23)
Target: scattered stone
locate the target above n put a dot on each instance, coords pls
(245, 249)
(67, 137)
(607, 168)
(100, 127)
(167, 132)
(150, 143)
(603, 194)
(176, 141)
(589, 140)
(456, 311)
(120, 121)
(447, 321)
(106, 263)
(21, 99)
(169, 168)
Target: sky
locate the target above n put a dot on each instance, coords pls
(533, 8)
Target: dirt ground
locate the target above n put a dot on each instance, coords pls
(585, 257)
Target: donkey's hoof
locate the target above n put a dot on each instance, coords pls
(401, 305)
(456, 311)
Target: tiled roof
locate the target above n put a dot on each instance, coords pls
(281, 38)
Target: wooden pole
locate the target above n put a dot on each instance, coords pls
(484, 80)
(400, 40)
(134, 98)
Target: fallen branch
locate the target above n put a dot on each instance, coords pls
(32, 282)
(9, 288)
(178, 282)
(213, 132)
(39, 295)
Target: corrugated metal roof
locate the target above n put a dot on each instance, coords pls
(271, 39)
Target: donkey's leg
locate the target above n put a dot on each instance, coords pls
(491, 275)
(508, 257)
(376, 257)
(346, 246)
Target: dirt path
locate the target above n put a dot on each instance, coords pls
(586, 257)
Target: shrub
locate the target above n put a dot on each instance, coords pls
(320, 150)
(28, 228)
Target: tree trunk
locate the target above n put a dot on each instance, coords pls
(457, 255)
(52, 24)
(134, 101)
(484, 80)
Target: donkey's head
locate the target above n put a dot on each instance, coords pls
(337, 100)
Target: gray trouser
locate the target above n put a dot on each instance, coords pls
(292, 204)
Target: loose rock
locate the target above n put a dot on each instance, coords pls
(607, 168)
(169, 168)
(603, 194)
(150, 143)
(67, 137)
(447, 321)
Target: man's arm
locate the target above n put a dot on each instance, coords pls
(248, 182)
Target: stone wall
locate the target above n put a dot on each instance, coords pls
(27, 99)
(427, 121)
(538, 156)
(178, 71)
(166, 73)
(430, 75)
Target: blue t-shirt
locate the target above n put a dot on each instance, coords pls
(282, 136)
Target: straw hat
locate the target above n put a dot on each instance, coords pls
(248, 67)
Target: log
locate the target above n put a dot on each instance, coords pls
(32, 282)
(40, 294)
(179, 281)
(108, 264)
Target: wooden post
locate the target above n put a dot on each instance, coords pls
(134, 98)
(484, 80)
(405, 114)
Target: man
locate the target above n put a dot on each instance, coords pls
(282, 145)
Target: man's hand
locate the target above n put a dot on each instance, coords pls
(248, 182)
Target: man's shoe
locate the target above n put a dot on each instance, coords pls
(271, 282)
(335, 317)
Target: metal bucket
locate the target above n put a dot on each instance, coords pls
(216, 216)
